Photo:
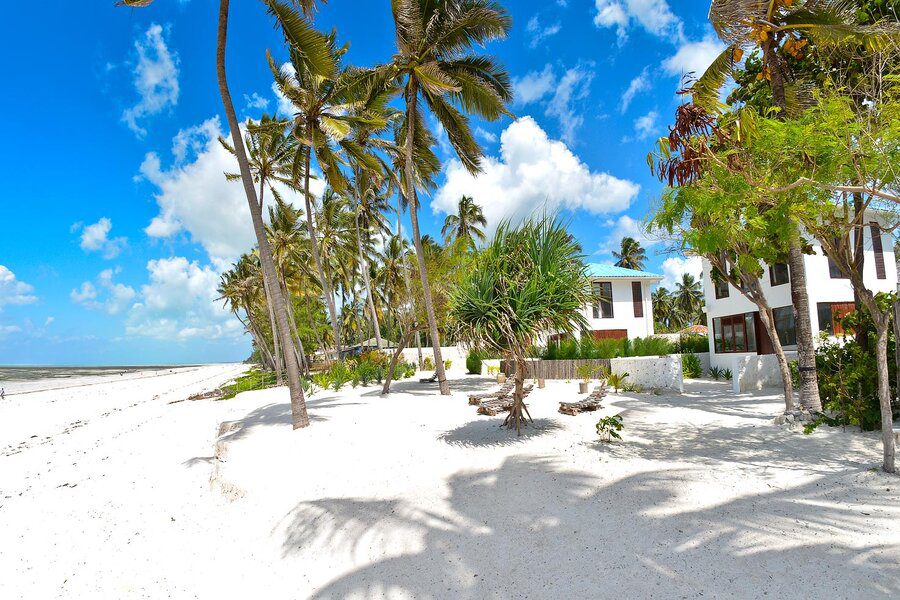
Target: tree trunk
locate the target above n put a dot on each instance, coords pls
(364, 265)
(806, 350)
(884, 394)
(298, 343)
(389, 376)
(259, 342)
(314, 245)
(411, 112)
(279, 360)
(765, 315)
(859, 261)
(300, 418)
(516, 417)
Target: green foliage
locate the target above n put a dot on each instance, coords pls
(727, 375)
(340, 374)
(691, 342)
(473, 363)
(254, 379)
(447, 364)
(586, 372)
(617, 380)
(690, 366)
(715, 373)
(608, 428)
(428, 363)
(590, 349)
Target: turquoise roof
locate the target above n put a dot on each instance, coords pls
(598, 271)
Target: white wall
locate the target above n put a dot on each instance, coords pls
(623, 310)
(652, 372)
(754, 373)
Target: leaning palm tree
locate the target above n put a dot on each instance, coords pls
(528, 281)
(312, 46)
(466, 226)
(433, 63)
(630, 255)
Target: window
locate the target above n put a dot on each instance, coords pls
(637, 295)
(785, 325)
(878, 250)
(833, 270)
(830, 315)
(779, 274)
(736, 333)
(603, 306)
(720, 284)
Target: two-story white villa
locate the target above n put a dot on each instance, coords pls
(624, 306)
(735, 330)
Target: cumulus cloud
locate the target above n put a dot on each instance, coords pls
(255, 101)
(561, 95)
(155, 78)
(195, 198)
(14, 291)
(107, 295)
(639, 84)
(533, 173)
(539, 32)
(675, 267)
(179, 304)
(646, 125)
(654, 16)
(95, 238)
(693, 57)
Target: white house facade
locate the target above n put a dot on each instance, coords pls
(624, 306)
(735, 330)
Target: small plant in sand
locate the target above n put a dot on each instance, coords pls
(727, 374)
(586, 373)
(617, 380)
(473, 363)
(447, 364)
(608, 428)
(715, 373)
(428, 364)
(690, 366)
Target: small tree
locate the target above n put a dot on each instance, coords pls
(529, 280)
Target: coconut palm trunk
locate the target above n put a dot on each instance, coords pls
(411, 112)
(364, 266)
(276, 342)
(299, 416)
(317, 258)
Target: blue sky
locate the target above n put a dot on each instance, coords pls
(117, 220)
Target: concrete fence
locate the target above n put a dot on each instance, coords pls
(754, 373)
(653, 372)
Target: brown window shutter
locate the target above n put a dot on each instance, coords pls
(879, 251)
(637, 295)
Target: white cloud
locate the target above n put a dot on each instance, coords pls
(539, 32)
(285, 106)
(646, 125)
(108, 296)
(574, 85)
(641, 83)
(13, 291)
(533, 86)
(623, 227)
(194, 196)
(674, 267)
(486, 135)
(533, 173)
(179, 303)
(155, 78)
(693, 57)
(654, 16)
(6, 330)
(256, 101)
(95, 238)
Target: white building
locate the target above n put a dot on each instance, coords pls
(735, 330)
(624, 308)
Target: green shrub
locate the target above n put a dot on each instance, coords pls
(428, 364)
(340, 374)
(715, 373)
(473, 363)
(254, 379)
(586, 372)
(588, 348)
(727, 375)
(690, 366)
(650, 346)
(617, 380)
(608, 428)
(322, 380)
(691, 343)
(448, 364)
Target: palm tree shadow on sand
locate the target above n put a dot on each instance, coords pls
(531, 529)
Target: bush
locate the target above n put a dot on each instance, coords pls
(691, 343)
(428, 364)
(254, 379)
(690, 366)
(715, 373)
(473, 363)
(447, 364)
(340, 374)
(608, 428)
(588, 348)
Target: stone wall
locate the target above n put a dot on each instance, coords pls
(652, 372)
(754, 373)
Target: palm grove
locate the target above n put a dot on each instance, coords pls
(364, 132)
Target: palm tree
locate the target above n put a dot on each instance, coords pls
(369, 219)
(432, 63)
(527, 281)
(664, 309)
(630, 255)
(689, 299)
(466, 224)
(311, 45)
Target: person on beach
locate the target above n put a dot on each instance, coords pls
(2, 394)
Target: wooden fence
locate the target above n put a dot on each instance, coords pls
(555, 369)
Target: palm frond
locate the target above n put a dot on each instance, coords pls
(708, 87)
(303, 38)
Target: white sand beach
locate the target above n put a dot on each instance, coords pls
(110, 491)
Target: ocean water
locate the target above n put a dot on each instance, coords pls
(56, 373)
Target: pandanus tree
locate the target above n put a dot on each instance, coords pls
(327, 106)
(312, 46)
(466, 226)
(630, 255)
(527, 281)
(435, 64)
